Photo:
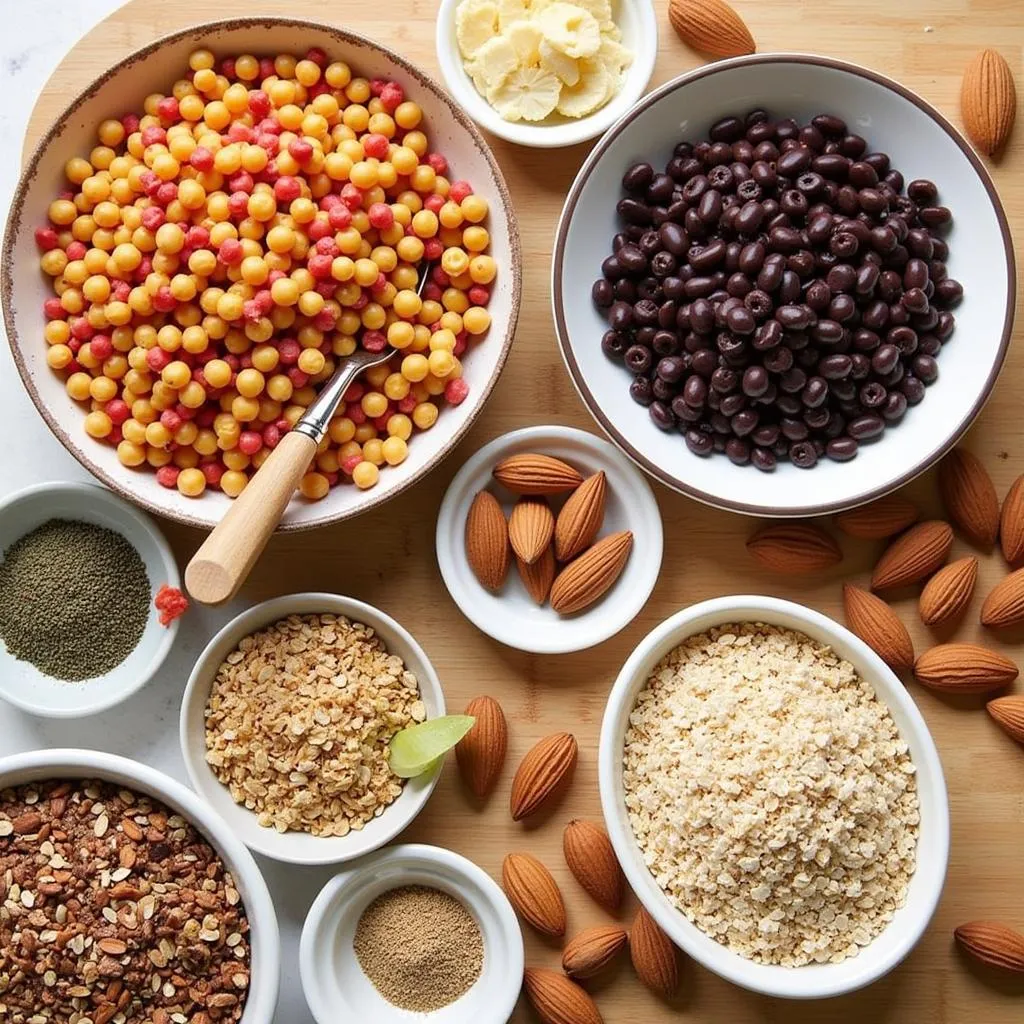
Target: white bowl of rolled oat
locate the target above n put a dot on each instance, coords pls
(286, 722)
(774, 797)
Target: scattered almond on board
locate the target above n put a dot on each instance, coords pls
(878, 626)
(948, 592)
(654, 957)
(711, 27)
(969, 497)
(593, 950)
(913, 556)
(480, 754)
(794, 548)
(1011, 522)
(992, 943)
(988, 101)
(534, 893)
(1008, 712)
(542, 773)
(879, 519)
(964, 668)
(558, 999)
(559, 557)
(591, 858)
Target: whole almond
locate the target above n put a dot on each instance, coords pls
(532, 890)
(480, 754)
(530, 528)
(654, 956)
(988, 101)
(538, 577)
(580, 518)
(487, 548)
(536, 474)
(558, 999)
(879, 519)
(545, 768)
(914, 555)
(948, 592)
(970, 497)
(878, 626)
(794, 548)
(591, 859)
(1009, 714)
(1011, 522)
(1004, 606)
(993, 943)
(964, 668)
(587, 954)
(591, 575)
(711, 27)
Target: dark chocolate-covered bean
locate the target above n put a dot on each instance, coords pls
(866, 427)
(640, 391)
(661, 415)
(841, 449)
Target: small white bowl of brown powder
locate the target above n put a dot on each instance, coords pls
(774, 796)
(412, 932)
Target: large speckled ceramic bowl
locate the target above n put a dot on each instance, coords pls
(122, 89)
(922, 144)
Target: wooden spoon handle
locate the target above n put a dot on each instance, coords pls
(227, 556)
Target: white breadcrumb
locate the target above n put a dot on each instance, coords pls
(771, 795)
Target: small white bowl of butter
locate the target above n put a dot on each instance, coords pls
(546, 73)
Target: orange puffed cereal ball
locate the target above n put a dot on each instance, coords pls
(425, 415)
(365, 475)
(191, 482)
(314, 486)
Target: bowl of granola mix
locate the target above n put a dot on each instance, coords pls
(163, 911)
(286, 723)
(774, 797)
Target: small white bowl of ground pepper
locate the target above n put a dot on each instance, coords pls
(412, 932)
(287, 720)
(79, 572)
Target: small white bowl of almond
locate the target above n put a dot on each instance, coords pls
(546, 73)
(549, 540)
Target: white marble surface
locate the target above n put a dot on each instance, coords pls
(35, 37)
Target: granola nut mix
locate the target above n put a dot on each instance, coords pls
(299, 720)
(114, 910)
(771, 794)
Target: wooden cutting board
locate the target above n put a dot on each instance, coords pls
(389, 561)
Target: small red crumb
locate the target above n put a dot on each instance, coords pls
(171, 603)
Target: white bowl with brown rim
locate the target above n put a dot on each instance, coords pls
(303, 847)
(922, 144)
(264, 937)
(153, 68)
(887, 949)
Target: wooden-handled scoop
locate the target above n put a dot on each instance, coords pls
(227, 556)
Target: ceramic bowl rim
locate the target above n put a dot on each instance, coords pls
(555, 136)
(264, 613)
(678, 483)
(69, 762)
(369, 500)
(94, 493)
(767, 979)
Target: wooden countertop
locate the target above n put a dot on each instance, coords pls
(923, 43)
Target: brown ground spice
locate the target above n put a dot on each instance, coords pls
(421, 948)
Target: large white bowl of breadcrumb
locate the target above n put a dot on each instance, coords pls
(774, 797)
